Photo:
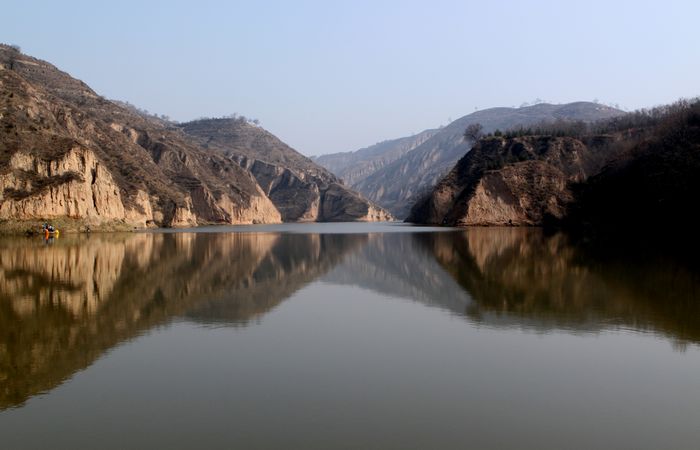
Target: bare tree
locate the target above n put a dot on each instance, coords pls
(14, 56)
(473, 132)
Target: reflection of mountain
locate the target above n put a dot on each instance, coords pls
(393, 264)
(64, 305)
(294, 261)
(521, 277)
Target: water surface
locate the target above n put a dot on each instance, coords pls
(345, 336)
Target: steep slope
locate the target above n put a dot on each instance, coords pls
(396, 186)
(640, 169)
(353, 167)
(66, 152)
(300, 189)
(653, 184)
(518, 181)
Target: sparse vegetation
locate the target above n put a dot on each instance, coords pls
(473, 132)
(636, 120)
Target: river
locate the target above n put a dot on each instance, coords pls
(345, 336)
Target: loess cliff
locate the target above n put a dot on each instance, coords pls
(518, 181)
(411, 166)
(66, 152)
(71, 156)
(639, 169)
(299, 188)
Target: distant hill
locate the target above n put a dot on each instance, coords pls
(353, 167)
(398, 184)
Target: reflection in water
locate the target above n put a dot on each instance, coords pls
(392, 264)
(521, 277)
(64, 305)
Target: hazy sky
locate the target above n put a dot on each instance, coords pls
(336, 76)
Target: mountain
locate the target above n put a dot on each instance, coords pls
(638, 170)
(73, 157)
(397, 185)
(353, 167)
(299, 188)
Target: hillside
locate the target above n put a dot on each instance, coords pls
(353, 167)
(397, 185)
(518, 181)
(638, 169)
(66, 152)
(69, 155)
(300, 189)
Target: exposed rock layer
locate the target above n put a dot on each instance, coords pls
(398, 184)
(518, 181)
(67, 153)
(641, 174)
(300, 189)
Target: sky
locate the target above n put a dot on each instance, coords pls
(329, 76)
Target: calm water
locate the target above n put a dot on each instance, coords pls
(345, 336)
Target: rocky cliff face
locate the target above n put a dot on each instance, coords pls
(299, 188)
(518, 181)
(66, 152)
(637, 171)
(398, 184)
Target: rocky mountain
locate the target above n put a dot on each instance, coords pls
(300, 189)
(73, 157)
(639, 169)
(353, 167)
(518, 181)
(397, 185)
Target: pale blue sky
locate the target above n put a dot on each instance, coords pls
(335, 76)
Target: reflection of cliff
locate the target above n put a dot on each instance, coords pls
(393, 264)
(521, 277)
(294, 261)
(64, 305)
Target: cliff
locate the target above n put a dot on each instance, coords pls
(517, 181)
(66, 152)
(638, 169)
(299, 188)
(71, 156)
(398, 184)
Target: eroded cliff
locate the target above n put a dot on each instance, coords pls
(299, 188)
(67, 153)
(517, 181)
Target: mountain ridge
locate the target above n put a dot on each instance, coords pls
(398, 184)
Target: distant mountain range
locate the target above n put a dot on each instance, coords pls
(395, 173)
(71, 156)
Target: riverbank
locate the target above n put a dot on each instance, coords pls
(63, 224)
